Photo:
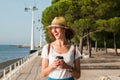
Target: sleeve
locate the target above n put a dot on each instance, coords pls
(44, 53)
(78, 54)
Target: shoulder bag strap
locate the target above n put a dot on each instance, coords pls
(74, 54)
(48, 48)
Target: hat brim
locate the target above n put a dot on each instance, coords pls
(56, 25)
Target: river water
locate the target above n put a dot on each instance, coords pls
(8, 52)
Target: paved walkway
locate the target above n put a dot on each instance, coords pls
(32, 71)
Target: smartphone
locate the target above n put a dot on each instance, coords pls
(59, 57)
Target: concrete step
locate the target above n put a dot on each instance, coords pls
(101, 62)
(109, 65)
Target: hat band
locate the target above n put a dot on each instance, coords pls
(57, 24)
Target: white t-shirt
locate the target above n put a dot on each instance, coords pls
(68, 58)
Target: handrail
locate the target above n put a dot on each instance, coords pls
(16, 67)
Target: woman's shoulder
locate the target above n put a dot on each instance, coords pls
(72, 45)
(46, 46)
(75, 48)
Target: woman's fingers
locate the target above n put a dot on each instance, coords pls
(62, 64)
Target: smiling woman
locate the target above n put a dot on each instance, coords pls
(67, 66)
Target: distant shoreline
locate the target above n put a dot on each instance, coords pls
(25, 46)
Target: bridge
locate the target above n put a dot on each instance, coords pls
(29, 68)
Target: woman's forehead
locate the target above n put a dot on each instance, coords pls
(56, 27)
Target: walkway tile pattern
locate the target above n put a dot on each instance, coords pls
(32, 71)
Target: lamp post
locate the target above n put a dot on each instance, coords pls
(33, 8)
(40, 29)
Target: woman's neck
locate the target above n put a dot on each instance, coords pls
(61, 42)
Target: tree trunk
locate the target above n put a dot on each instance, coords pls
(88, 44)
(105, 46)
(81, 45)
(115, 44)
(96, 46)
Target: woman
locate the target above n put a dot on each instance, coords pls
(58, 59)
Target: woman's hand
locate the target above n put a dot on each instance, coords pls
(62, 64)
(55, 64)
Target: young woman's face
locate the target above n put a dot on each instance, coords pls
(58, 32)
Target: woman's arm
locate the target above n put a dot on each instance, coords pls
(76, 71)
(47, 69)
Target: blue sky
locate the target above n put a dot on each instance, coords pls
(15, 23)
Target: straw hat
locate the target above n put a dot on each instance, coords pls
(58, 22)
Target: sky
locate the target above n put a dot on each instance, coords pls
(16, 23)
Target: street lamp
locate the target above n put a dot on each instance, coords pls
(40, 29)
(33, 8)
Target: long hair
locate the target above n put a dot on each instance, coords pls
(69, 33)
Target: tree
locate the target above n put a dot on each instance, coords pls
(114, 24)
(82, 15)
(101, 26)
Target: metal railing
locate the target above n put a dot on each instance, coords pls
(16, 67)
